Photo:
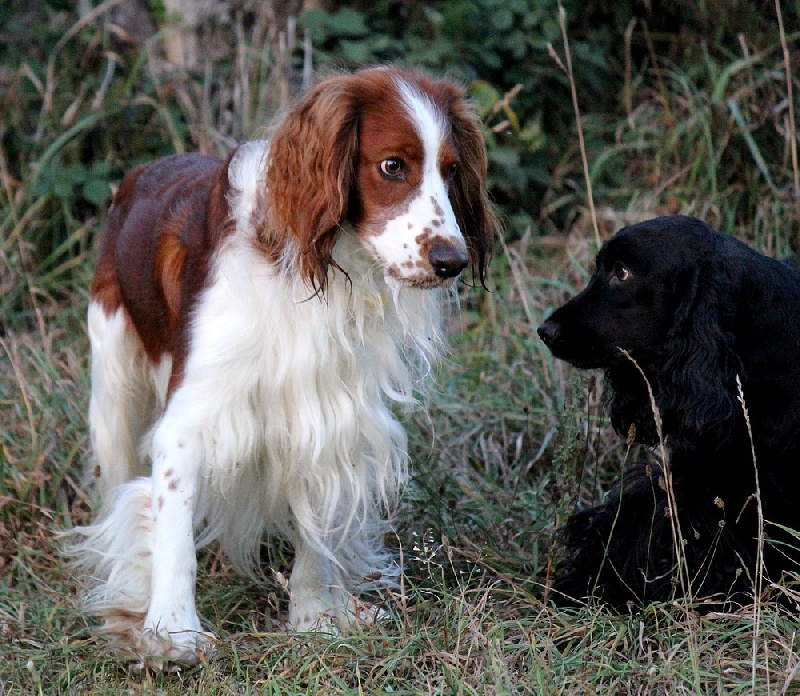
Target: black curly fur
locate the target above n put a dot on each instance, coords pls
(694, 309)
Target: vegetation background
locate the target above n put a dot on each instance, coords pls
(684, 106)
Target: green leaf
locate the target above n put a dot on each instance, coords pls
(313, 19)
(100, 170)
(484, 95)
(347, 22)
(62, 188)
(75, 173)
(357, 51)
(97, 191)
(504, 157)
(503, 19)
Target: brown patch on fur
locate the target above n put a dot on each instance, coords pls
(170, 257)
(173, 485)
(169, 217)
(426, 241)
(105, 286)
(121, 623)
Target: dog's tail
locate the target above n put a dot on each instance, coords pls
(113, 559)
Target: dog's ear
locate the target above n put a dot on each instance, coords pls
(310, 174)
(697, 380)
(469, 197)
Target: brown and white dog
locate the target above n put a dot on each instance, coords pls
(253, 322)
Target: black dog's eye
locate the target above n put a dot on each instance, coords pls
(620, 271)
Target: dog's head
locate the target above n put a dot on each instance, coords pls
(664, 293)
(644, 282)
(394, 156)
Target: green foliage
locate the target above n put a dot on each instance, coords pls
(75, 183)
(75, 114)
(495, 45)
(492, 45)
(78, 108)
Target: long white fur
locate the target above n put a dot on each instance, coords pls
(282, 424)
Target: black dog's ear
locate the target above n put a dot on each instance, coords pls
(697, 382)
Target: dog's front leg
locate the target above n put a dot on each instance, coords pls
(316, 601)
(172, 625)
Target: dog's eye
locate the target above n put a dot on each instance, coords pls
(620, 271)
(392, 167)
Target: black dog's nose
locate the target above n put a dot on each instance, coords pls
(548, 331)
(447, 261)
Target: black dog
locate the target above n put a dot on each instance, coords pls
(695, 310)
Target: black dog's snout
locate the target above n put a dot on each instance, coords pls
(447, 261)
(548, 331)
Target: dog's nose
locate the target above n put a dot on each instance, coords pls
(447, 261)
(548, 331)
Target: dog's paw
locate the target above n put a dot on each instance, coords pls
(159, 651)
(166, 645)
(332, 612)
(312, 615)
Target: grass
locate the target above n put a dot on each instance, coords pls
(508, 445)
